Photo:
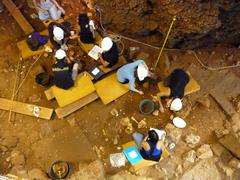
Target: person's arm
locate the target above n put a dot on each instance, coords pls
(102, 61)
(58, 6)
(37, 7)
(132, 87)
(160, 95)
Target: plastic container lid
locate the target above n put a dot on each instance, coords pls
(179, 122)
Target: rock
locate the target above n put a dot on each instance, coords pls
(234, 163)
(204, 152)
(143, 55)
(125, 121)
(173, 132)
(221, 132)
(115, 140)
(235, 119)
(156, 113)
(190, 156)
(35, 98)
(10, 141)
(37, 174)
(179, 170)
(117, 160)
(17, 158)
(114, 112)
(203, 170)
(192, 140)
(204, 101)
(133, 51)
(71, 122)
(142, 124)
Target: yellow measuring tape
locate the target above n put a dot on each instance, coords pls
(160, 53)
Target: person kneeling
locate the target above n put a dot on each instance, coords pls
(151, 147)
(176, 84)
(135, 71)
(64, 73)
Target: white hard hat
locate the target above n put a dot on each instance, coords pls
(179, 122)
(106, 44)
(60, 54)
(176, 105)
(142, 72)
(58, 33)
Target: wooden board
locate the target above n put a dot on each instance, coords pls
(15, 12)
(83, 87)
(120, 63)
(24, 108)
(87, 47)
(66, 110)
(49, 94)
(190, 88)
(26, 52)
(110, 89)
(144, 163)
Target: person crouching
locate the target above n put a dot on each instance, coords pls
(64, 73)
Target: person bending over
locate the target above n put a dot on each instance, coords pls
(135, 71)
(151, 147)
(176, 84)
(48, 9)
(110, 54)
(59, 34)
(64, 73)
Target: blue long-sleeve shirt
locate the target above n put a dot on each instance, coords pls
(126, 73)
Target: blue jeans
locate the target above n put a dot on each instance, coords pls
(53, 13)
(138, 138)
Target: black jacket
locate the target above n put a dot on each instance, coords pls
(63, 75)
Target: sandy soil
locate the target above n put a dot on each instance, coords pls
(42, 141)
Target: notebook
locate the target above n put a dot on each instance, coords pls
(93, 53)
(132, 155)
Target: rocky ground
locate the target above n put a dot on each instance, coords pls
(208, 148)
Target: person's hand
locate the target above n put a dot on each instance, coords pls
(140, 92)
(169, 103)
(45, 12)
(62, 10)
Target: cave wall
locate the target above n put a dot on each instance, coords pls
(200, 23)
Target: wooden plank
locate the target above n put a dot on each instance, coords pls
(110, 88)
(66, 110)
(26, 52)
(120, 63)
(23, 23)
(24, 108)
(83, 87)
(49, 94)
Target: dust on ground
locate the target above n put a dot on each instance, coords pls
(93, 129)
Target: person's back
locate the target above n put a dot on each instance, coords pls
(111, 56)
(62, 75)
(177, 82)
(151, 150)
(86, 35)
